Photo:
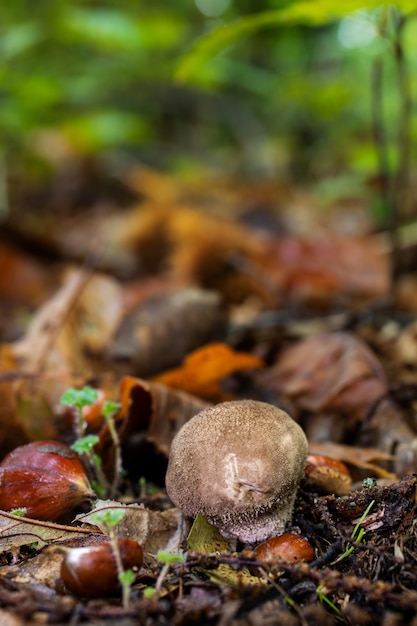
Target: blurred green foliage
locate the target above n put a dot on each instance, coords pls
(277, 87)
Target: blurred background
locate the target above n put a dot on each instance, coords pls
(286, 90)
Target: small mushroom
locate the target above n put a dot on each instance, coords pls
(239, 463)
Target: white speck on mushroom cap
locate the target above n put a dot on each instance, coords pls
(239, 463)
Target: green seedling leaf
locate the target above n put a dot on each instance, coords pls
(85, 444)
(168, 558)
(98, 489)
(357, 534)
(18, 512)
(325, 600)
(127, 578)
(79, 398)
(110, 409)
(149, 593)
(110, 518)
(206, 539)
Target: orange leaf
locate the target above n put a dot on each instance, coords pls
(203, 369)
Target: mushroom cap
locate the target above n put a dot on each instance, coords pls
(239, 463)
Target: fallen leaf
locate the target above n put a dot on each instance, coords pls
(330, 373)
(203, 370)
(150, 416)
(206, 539)
(317, 269)
(154, 530)
(23, 279)
(17, 531)
(361, 458)
(163, 329)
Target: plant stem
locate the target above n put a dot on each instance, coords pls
(119, 565)
(401, 186)
(118, 466)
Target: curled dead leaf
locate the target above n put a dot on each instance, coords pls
(150, 416)
(163, 329)
(203, 370)
(330, 373)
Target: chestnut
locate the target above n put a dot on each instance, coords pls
(91, 571)
(44, 477)
(287, 547)
(327, 475)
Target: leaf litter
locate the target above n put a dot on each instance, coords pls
(167, 317)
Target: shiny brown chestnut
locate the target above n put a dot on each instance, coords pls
(327, 475)
(91, 571)
(287, 547)
(44, 477)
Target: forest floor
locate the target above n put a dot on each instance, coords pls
(168, 296)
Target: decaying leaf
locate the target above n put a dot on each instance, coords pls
(150, 416)
(203, 370)
(206, 539)
(365, 459)
(23, 278)
(17, 531)
(165, 328)
(330, 373)
(12, 431)
(51, 356)
(320, 267)
(154, 530)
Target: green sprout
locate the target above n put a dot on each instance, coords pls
(78, 399)
(357, 534)
(84, 445)
(167, 559)
(110, 519)
(149, 593)
(110, 409)
(19, 512)
(325, 600)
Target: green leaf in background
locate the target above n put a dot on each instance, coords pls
(100, 129)
(20, 39)
(304, 12)
(107, 29)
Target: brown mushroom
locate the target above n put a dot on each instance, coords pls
(239, 463)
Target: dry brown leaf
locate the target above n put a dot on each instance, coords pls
(99, 312)
(154, 530)
(165, 328)
(162, 409)
(405, 354)
(17, 531)
(200, 256)
(12, 432)
(23, 278)
(150, 416)
(203, 370)
(81, 316)
(43, 364)
(361, 458)
(328, 373)
(318, 269)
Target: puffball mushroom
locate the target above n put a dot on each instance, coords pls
(239, 463)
